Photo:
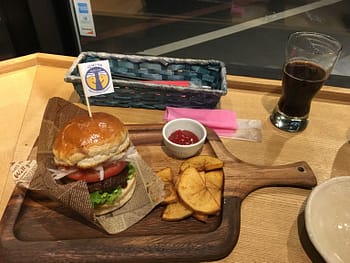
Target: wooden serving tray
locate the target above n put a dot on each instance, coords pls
(35, 228)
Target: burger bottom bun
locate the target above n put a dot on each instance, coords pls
(125, 196)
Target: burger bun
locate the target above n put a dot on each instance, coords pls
(86, 142)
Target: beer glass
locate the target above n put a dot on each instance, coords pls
(309, 59)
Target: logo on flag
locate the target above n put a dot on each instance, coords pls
(96, 78)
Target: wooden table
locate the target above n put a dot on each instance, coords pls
(272, 218)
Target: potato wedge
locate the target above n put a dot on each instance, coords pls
(200, 217)
(201, 191)
(202, 163)
(214, 182)
(170, 195)
(166, 174)
(176, 211)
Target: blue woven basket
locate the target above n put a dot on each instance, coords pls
(207, 78)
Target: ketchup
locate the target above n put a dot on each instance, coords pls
(183, 137)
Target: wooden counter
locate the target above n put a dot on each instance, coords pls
(272, 227)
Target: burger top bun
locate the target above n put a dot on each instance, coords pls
(86, 141)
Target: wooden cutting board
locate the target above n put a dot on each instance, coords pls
(35, 228)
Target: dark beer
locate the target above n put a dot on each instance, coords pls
(301, 81)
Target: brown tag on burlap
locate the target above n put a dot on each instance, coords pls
(148, 192)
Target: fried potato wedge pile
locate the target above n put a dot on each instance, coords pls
(195, 191)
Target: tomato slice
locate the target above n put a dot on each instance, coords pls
(92, 175)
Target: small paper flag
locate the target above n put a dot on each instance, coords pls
(96, 78)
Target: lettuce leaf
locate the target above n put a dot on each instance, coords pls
(99, 198)
(131, 171)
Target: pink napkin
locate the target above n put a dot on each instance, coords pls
(223, 122)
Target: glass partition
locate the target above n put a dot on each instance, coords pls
(249, 36)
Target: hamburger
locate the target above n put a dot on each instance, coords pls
(93, 149)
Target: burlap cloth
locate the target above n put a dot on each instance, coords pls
(148, 192)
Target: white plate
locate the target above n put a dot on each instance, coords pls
(327, 219)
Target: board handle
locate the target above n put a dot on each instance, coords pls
(240, 182)
(241, 178)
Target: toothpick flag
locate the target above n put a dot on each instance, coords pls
(96, 79)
